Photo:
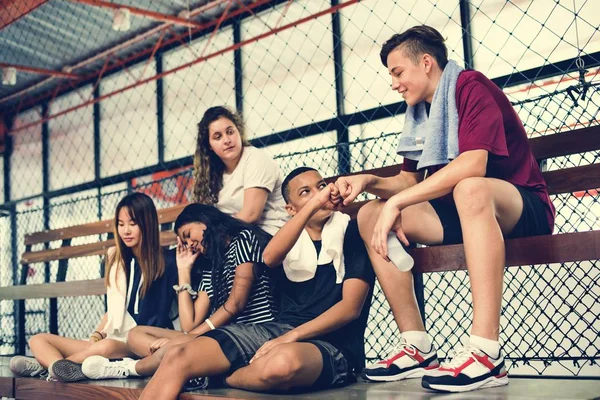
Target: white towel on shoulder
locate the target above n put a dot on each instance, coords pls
(301, 262)
(118, 320)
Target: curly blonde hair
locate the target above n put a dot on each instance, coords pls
(208, 167)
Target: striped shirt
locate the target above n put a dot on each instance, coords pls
(261, 306)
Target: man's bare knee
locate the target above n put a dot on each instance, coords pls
(281, 369)
(175, 357)
(367, 216)
(472, 196)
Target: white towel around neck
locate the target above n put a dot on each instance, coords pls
(118, 320)
(301, 262)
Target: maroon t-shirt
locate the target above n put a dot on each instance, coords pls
(487, 121)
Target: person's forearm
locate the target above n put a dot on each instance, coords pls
(220, 317)
(384, 188)
(185, 302)
(283, 241)
(102, 323)
(336, 317)
(442, 182)
(187, 315)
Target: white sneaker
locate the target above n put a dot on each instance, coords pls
(26, 366)
(470, 369)
(98, 367)
(405, 361)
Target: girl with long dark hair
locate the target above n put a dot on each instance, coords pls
(230, 285)
(138, 280)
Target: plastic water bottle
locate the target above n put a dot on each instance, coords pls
(397, 253)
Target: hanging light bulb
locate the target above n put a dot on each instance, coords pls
(9, 76)
(121, 19)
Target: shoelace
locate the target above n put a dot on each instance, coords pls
(402, 346)
(460, 356)
(31, 365)
(115, 370)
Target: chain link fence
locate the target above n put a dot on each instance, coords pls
(312, 92)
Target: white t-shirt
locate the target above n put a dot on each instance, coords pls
(255, 170)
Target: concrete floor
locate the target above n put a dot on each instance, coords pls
(518, 389)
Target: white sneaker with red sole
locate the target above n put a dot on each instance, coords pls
(405, 361)
(469, 369)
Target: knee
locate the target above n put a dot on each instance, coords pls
(175, 357)
(135, 333)
(105, 348)
(281, 369)
(472, 196)
(39, 339)
(367, 216)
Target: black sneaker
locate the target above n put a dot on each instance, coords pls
(66, 371)
(200, 383)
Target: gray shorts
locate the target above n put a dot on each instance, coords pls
(240, 342)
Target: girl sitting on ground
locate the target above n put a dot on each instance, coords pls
(139, 280)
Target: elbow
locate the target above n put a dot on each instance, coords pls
(234, 307)
(353, 314)
(249, 217)
(268, 258)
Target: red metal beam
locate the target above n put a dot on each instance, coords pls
(140, 12)
(199, 60)
(40, 71)
(142, 53)
(12, 10)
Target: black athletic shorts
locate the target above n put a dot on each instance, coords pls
(533, 220)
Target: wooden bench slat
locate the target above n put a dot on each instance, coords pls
(167, 238)
(566, 143)
(165, 215)
(573, 179)
(6, 386)
(52, 290)
(560, 248)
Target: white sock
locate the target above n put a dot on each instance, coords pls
(419, 339)
(491, 347)
(130, 365)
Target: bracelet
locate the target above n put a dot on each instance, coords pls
(97, 335)
(209, 323)
(183, 288)
(94, 338)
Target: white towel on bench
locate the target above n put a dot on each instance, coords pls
(301, 262)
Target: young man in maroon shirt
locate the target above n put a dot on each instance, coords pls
(493, 189)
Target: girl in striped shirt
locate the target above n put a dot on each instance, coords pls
(233, 286)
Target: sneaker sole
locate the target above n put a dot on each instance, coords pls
(67, 371)
(414, 373)
(486, 383)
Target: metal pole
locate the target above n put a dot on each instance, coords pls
(53, 306)
(238, 71)
(343, 136)
(465, 21)
(160, 109)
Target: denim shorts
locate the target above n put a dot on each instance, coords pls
(240, 342)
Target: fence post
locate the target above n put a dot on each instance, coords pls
(343, 136)
(420, 294)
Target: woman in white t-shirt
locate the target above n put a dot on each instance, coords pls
(239, 179)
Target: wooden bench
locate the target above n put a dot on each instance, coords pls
(557, 248)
